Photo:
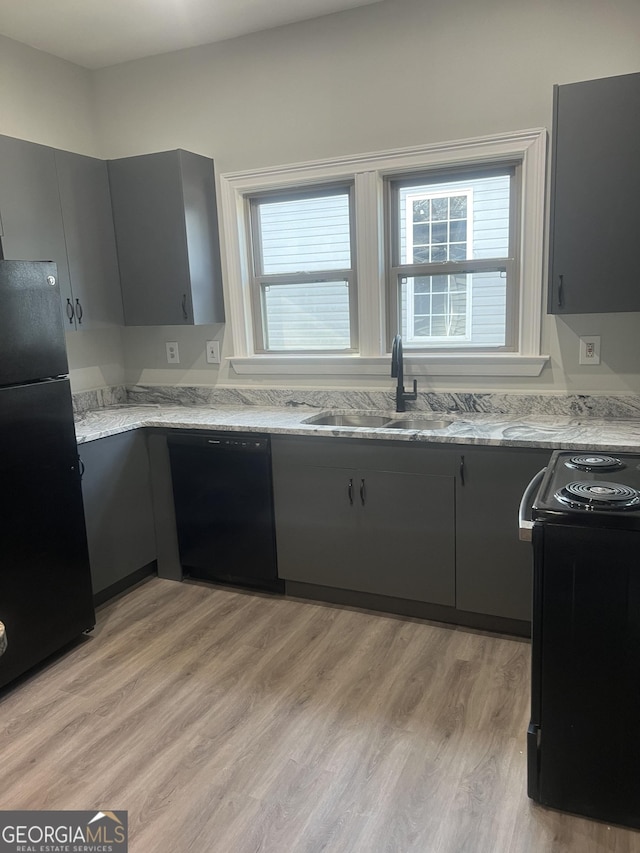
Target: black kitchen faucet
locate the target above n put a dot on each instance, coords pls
(397, 369)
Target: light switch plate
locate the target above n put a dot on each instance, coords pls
(173, 353)
(213, 352)
(589, 349)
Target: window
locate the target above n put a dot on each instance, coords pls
(304, 289)
(326, 261)
(452, 277)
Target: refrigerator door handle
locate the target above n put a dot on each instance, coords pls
(525, 524)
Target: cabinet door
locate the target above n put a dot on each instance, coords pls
(493, 567)
(118, 509)
(407, 535)
(32, 227)
(316, 531)
(595, 190)
(91, 247)
(166, 227)
(371, 531)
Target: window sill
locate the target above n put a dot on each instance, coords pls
(440, 364)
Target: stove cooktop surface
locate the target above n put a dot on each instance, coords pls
(590, 488)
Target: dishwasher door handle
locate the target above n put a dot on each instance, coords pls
(525, 524)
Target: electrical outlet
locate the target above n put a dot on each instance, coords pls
(589, 349)
(173, 354)
(213, 352)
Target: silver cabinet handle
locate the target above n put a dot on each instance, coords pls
(525, 524)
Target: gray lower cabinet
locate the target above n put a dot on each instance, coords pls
(164, 210)
(118, 510)
(383, 528)
(595, 185)
(430, 523)
(493, 567)
(93, 299)
(30, 215)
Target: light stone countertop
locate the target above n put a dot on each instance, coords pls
(545, 431)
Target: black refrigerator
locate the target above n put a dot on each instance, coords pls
(45, 584)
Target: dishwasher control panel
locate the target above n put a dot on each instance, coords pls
(243, 443)
(221, 441)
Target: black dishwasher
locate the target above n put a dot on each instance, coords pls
(224, 507)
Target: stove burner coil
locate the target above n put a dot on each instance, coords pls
(599, 495)
(594, 462)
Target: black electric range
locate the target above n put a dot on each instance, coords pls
(583, 749)
(601, 489)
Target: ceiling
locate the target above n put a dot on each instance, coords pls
(97, 33)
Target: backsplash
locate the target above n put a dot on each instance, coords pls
(615, 406)
(100, 398)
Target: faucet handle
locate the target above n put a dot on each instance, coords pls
(413, 395)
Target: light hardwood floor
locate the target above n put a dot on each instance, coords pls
(226, 722)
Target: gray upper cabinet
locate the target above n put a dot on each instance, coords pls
(595, 217)
(166, 224)
(32, 228)
(94, 300)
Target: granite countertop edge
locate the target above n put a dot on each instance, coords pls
(543, 431)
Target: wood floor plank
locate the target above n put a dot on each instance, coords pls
(232, 722)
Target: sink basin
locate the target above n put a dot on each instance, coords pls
(418, 423)
(362, 419)
(353, 420)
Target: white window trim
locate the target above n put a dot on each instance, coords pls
(369, 171)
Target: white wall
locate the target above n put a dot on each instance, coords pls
(47, 100)
(394, 74)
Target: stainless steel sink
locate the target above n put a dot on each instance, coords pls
(418, 423)
(352, 420)
(362, 419)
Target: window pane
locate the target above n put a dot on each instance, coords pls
(458, 207)
(472, 213)
(440, 208)
(421, 210)
(306, 316)
(463, 310)
(305, 234)
(422, 326)
(421, 233)
(457, 231)
(439, 232)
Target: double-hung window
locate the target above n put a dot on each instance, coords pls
(327, 261)
(303, 283)
(453, 259)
